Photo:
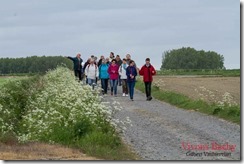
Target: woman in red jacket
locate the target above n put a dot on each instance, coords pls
(113, 72)
(147, 71)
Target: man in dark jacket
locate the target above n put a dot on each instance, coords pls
(77, 66)
(147, 71)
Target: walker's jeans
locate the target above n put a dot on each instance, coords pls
(131, 86)
(113, 84)
(104, 83)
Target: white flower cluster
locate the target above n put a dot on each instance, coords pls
(227, 98)
(63, 102)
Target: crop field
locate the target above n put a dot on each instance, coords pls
(210, 89)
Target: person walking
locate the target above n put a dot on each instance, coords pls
(131, 74)
(77, 61)
(104, 76)
(91, 72)
(113, 71)
(111, 57)
(100, 60)
(119, 62)
(148, 71)
(122, 73)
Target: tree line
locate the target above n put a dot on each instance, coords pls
(33, 64)
(189, 58)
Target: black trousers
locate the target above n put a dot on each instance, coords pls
(78, 74)
(148, 88)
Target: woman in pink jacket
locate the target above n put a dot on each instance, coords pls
(113, 71)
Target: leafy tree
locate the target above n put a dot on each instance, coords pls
(189, 58)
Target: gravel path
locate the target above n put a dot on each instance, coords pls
(160, 130)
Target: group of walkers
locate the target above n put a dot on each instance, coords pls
(114, 71)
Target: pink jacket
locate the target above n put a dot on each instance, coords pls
(113, 72)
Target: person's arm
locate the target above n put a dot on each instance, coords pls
(120, 70)
(135, 72)
(97, 75)
(109, 70)
(117, 70)
(127, 72)
(141, 71)
(86, 71)
(153, 71)
(71, 58)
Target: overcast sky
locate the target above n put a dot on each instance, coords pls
(143, 28)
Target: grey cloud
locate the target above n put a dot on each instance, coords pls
(139, 27)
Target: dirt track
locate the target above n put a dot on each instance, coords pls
(40, 151)
(210, 89)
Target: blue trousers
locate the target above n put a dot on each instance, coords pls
(91, 81)
(113, 84)
(131, 86)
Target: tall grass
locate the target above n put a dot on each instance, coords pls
(55, 108)
(225, 111)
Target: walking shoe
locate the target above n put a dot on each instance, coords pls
(149, 98)
(112, 94)
(115, 95)
(126, 95)
(123, 95)
(131, 99)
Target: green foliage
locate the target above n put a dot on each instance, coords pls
(189, 58)
(55, 109)
(33, 64)
(230, 113)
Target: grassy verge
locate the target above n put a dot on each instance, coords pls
(54, 109)
(230, 113)
(224, 73)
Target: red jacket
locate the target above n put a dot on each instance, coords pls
(147, 73)
(113, 72)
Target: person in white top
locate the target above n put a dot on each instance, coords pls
(123, 77)
(91, 72)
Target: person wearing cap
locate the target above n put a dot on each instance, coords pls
(77, 61)
(147, 71)
(131, 74)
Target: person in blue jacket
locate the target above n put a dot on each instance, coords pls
(77, 66)
(131, 74)
(104, 76)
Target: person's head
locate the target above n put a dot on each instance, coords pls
(124, 61)
(107, 59)
(102, 57)
(95, 58)
(147, 61)
(132, 63)
(92, 61)
(104, 61)
(128, 56)
(111, 55)
(88, 60)
(78, 55)
(92, 56)
(117, 57)
(113, 62)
